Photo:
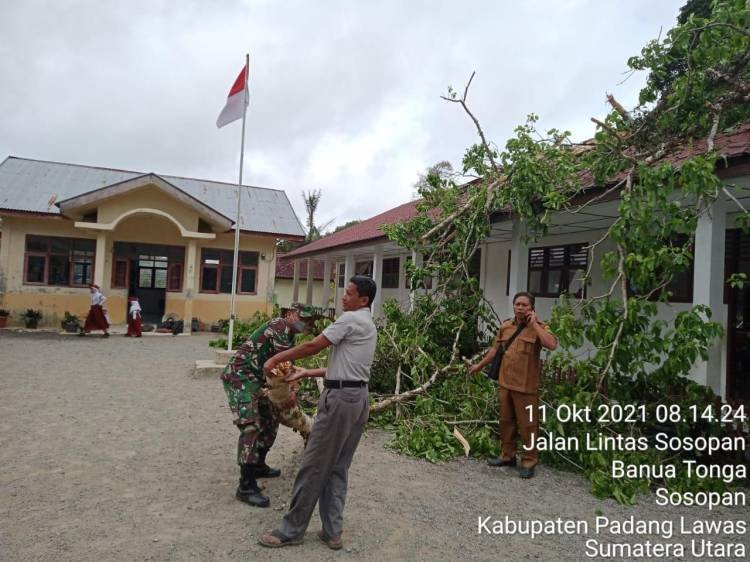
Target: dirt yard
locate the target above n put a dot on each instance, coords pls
(111, 451)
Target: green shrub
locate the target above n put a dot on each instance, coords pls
(242, 330)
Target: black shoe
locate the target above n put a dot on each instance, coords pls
(502, 462)
(252, 497)
(264, 471)
(526, 472)
(248, 490)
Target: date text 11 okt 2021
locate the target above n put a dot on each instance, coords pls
(637, 413)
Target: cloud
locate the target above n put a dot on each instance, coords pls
(344, 95)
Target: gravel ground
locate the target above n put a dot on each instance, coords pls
(111, 451)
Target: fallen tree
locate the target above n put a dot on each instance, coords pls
(659, 161)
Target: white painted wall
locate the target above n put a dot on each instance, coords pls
(495, 282)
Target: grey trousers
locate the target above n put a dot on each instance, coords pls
(322, 478)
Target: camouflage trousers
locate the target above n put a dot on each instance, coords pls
(254, 416)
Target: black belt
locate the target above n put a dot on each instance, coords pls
(343, 384)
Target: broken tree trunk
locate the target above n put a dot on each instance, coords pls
(284, 400)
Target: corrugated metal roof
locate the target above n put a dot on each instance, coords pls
(35, 185)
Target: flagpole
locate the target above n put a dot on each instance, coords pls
(239, 199)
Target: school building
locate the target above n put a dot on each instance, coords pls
(167, 240)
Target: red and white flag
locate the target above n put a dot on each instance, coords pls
(236, 102)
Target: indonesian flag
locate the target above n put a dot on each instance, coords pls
(236, 101)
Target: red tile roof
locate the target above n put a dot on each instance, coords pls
(363, 232)
(285, 268)
(730, 144)
(733, 143)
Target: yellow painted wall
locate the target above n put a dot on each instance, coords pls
(149, 197)
(17, 297)
(53, 306)
(142, 228)
(146, 229)
(149, 229)
(266, 267)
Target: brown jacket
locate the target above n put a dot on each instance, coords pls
(521, 367)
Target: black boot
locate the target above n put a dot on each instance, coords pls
(262, 470)
(248, 490)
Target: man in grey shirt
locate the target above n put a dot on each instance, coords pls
(343, 410)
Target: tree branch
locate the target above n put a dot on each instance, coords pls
(485, 144)
(620, 329)
(618, 107)
(436, 376)
(712, 133)
(723, 24)
(615, 187)
(733, 198)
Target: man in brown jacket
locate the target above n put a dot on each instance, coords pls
(518, 383)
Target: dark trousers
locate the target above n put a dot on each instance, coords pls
(515, 420)
(322, 478)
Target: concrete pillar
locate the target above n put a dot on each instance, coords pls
(191, 267)
(416, 259)
(708, 288)
(310, 280)
(348, 268)
(484, 248)
(295, 282)
(101, 254)
(403, 292)
(348, 274)
(326, 282)
(377, 276)
(519, 264)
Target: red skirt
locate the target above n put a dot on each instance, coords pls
(95, 319)
(134, 325)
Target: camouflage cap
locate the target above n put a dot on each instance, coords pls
(304, 310)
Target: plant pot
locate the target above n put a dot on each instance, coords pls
(3, 321)
(70, 327)
(31, 323)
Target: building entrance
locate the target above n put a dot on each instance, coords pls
(153, 271)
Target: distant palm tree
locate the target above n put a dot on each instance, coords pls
(312, 199)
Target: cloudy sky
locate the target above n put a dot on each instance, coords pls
(345, 95)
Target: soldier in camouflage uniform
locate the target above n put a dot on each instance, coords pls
(254, 414)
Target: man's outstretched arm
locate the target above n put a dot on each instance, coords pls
(312, 347)
(302, 373)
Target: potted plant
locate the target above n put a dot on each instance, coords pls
(4, 317)
(31, 317)
(71, 323)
